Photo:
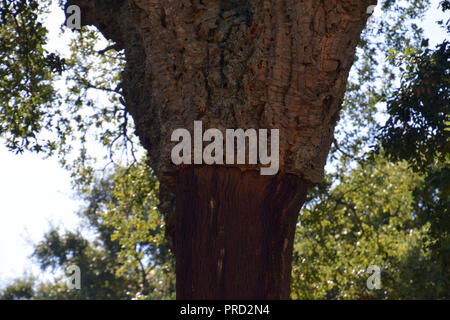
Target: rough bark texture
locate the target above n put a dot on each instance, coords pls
(269, 64)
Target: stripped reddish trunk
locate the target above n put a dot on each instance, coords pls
(234, 233)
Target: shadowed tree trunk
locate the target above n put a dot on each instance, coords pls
(234, 233)
(261, 64)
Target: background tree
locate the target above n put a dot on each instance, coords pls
(367, 219)
(120, 248)
(417, 131)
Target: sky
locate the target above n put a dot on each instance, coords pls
(36, 193)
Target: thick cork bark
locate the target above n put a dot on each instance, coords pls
(259, 64)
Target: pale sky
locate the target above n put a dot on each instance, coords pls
(35, 193)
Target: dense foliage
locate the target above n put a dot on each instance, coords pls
(26, 74)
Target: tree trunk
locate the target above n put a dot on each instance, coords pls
(249, 64)
(234, 233)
